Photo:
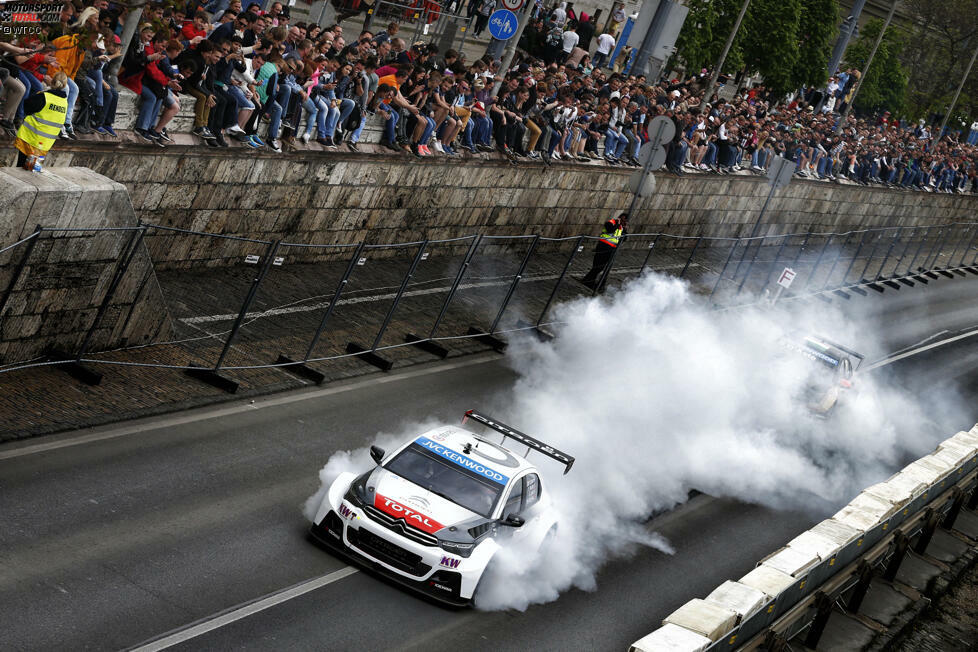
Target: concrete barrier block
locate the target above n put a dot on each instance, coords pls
(705, 618)
(866, 510)
(840, 533)
(953, 453)
(767, 580)
(922, 473)
(791, 561)
(813, 543)
(857, 518)
(671, 638)
(898, 489)
(743, 600)
(964, 440)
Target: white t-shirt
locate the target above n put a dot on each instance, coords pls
(560, 16)
(570, 40)
(605, 43)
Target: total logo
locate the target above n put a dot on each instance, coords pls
(410, 516)
(450, 562)
(346, 512)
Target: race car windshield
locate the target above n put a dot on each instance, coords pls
(445, 479)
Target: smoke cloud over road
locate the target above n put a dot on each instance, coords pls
(655, 394)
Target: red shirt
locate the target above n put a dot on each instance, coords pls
(190, 31)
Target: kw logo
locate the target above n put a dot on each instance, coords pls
(347, 512)
(450, 562)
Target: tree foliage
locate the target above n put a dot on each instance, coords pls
(787, 41)
(944, 34)
(884, 87)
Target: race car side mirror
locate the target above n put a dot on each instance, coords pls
(514, 521)
(376, 453)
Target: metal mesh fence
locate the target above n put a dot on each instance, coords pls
(271, 307)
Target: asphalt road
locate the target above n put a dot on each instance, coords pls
(115, 536)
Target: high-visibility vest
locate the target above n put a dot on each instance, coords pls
(611, 238)
(41, 129)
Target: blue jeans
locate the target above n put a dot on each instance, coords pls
(483, 127)
(72, 98)
(614, 144)
(96, 76)
(337, 114)
(32, 85)
(428, 130)
(711, 154)
(391, 123)
(149, 108)
(355, 136)
(311, 108)
(467, 134)
(239, 97)
(274, 111)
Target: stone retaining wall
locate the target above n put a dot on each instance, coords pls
(54, 301)
(341, 198)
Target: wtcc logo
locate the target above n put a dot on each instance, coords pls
(449, 562)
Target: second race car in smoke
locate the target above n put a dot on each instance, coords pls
(833, 374)
(433, 513)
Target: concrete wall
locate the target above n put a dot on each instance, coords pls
(343, 197)
(55, 300)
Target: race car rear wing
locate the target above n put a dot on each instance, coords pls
(855, 358)
(526, 440)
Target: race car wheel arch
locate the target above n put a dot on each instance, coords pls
(334, 496)
(481, 558)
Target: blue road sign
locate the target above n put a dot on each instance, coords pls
(503, 24)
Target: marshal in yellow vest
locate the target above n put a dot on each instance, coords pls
(41, 129)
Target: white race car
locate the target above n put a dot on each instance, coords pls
(432, 514)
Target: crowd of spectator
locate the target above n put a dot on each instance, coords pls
(258, 78)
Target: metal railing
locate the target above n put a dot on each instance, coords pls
(238, 304)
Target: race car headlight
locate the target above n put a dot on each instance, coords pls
(457, 548)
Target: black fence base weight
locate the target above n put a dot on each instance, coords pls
(369, 357)
(907, 282)
(958, 272)
(875, 286)
(426, 345)
(212, 378)
(542, 335)
(841, 294)
(972, 270)
(921, 279)
(931, 275)
(891, 284)
(301, 369)
(824, 298)
(859, 290)
(944, 272)
(76, 370)
(494, 343)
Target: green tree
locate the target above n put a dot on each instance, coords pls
(885, 85)
(769, 41)
(816, 35)
(704, 33)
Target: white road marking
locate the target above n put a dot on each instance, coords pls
(156, 423)
(244, 611)
(919, 349)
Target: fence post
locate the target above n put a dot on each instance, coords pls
(952, 514)
(886, 258)
(512, 286)
(818, 261)
(724, 268)
(899, 552)
(872, 254)
(34, 237)
(906, 250)
(455, 285)
(332, 302)
(823, 610)
(212, 376)
(691, 254)
(865, 573)
(648, 256)
(750, 265)
(74, 366)
(370, 355)
(777, 257)
(835, 262)
(919, 249)
(936, 253)
(974, 233)
(862, 242)
(804, 243)
(125, 259)
(931, 517)
(563, 274)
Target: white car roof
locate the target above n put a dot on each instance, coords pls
(483, 456)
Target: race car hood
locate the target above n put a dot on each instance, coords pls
(418, 507)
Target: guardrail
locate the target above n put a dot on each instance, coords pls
(792, 592)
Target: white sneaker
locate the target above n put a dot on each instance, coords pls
(235, 129)
(275, 145)
(305, 137)
(436, 145)
(704, 167)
